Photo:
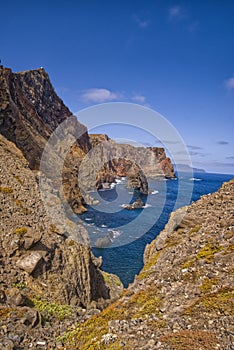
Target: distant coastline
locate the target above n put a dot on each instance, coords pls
(186, 168)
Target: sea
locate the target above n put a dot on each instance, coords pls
(127, 232)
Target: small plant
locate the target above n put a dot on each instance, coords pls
(187, 264)
(194, 230)
(18, 179)
(20, 231)
(208, 283)
(54, 229)
(192, 340)
(220, 302)
(19, 285)
(111, 279)
(207, 252)
(4, 312)
(48, 309)
(18, 202)
(6, 189)
(148, 267)
(26, 211)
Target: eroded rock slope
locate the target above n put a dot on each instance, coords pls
(183, 297)
(40, 268)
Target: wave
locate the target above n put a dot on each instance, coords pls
(195, 179)
(154, 192)
(147, 206)
(118, 181)
(88, 219)
(114, 234)
(103, 225)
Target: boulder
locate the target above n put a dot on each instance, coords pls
(29, 262)
(138, 204)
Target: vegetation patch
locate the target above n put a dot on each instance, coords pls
(192, 340)
(187, 264)
(111, 279)
(54, 310)
(18, 179)
(194, 230)
(4, 312)
(20, 231)
(207, 252)
(88, 334)
(54, 229)
(221, 302)
(145, 302)
(19, 285)
(208, 283)
(6, 189)
(148, 267)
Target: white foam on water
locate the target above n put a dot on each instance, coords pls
(147, 206)
(116, 233)
(194, 179)
(155, 192)
(118, 181)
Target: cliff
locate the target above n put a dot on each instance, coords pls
(30, 111)
(122, 160)
(48, 281)
(183, 297)
(43, 273)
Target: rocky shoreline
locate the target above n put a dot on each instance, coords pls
(53, 293)
(183, 297)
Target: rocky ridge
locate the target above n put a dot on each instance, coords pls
(122, 160)
(46, 278)
(30, 111)
(183, 297)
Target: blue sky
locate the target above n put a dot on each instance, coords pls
(177, 57)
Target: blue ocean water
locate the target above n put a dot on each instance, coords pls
(130, 231)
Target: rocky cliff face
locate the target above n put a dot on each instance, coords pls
(183, 297)
(43, 273)
(30, 111)
(59, 267)
(122, 160)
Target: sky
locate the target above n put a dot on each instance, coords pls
(175, 57)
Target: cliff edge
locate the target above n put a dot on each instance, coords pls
(183, 297)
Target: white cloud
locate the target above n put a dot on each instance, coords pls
(100, 95)
(141, 22)
(138, 98)
(97, 95)
(177, 13)
(229, 83)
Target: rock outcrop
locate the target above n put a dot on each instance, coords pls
(32, 243)
(122, 160)
(40, 266)
(183, 297)
(30, 111)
